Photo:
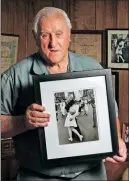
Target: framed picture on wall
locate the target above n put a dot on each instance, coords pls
(117, 48)
(87, 42)
(115, 85)
(78, 90)
(9, 49)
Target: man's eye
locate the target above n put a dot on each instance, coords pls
(44, 35)
(58, 34)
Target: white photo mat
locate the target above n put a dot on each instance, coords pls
(103, 145)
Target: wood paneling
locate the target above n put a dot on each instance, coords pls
(105, 14)
(123, 14)
(32, 9)
(7, 14)
(61, 4)
(124, 95)
(20, 27)
(83, 14)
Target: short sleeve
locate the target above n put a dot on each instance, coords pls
(6, 94)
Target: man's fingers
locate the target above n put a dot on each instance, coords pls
(109, 159)
(37, 114)
(38, 120)
(42, 124)
(36, 107)
(119, 159)
(36, 125)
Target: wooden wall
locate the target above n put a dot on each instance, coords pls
(17, 18)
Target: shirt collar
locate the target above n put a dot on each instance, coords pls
(39, 66)
(74, 64)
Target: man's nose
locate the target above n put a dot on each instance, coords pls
(53, 41)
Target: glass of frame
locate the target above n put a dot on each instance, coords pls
(87, 42)
(97, 134)
(117, 48)
(9, 48)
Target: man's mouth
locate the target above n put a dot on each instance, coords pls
(54, 50)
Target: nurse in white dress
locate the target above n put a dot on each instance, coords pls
(70, 121)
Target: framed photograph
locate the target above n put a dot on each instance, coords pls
(83, 122)
(9, 48)
(117, 48)
(115, 85)
(87, 42)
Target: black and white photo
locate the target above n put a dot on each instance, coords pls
(76, 116)
(118, 48)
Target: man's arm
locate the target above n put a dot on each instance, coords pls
(12, 125)
(118, 128)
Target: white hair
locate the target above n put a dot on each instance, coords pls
(46, 12)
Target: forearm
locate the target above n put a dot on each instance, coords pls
(12, 125)
(118, 127)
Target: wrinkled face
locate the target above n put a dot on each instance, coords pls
(54, 38)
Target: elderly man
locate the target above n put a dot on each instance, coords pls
(20, 115)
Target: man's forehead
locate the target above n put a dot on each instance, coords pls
(47, 30)
(54, 18)
(52, 21)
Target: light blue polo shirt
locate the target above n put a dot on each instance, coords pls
(17, 93)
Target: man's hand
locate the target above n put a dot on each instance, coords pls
(36, 116)
(122, 153)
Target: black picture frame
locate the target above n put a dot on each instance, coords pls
(87, 42)
(100, 82)
(115, 82)
(117, 48)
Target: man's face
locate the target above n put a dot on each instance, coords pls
(54, 38)
(71, 97)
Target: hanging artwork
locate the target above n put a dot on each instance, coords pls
(9, 48)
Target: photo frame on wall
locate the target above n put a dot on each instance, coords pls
(117, 48)
(87, 42)
(92, 97)
(115, 85)
(9, 49)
